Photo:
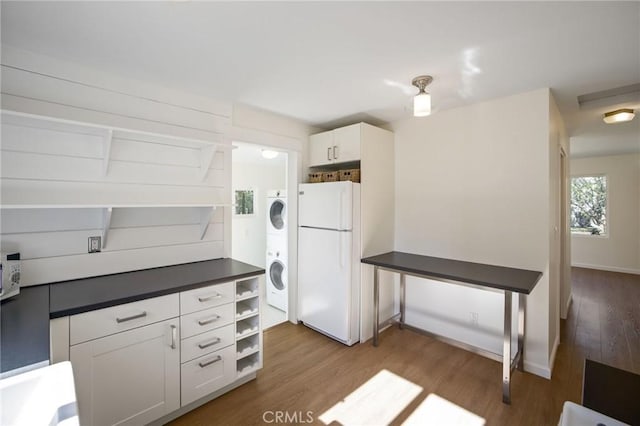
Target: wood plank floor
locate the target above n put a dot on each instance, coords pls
(305, 371)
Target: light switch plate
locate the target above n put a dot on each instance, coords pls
(94, 244)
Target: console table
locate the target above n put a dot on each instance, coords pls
(476, 275)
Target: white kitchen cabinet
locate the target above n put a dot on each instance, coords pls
(335, 146)
(128, 378)
(321, 148)
(347, 143)
(138, 362)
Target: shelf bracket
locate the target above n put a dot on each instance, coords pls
(206, 158)
(206, 213)
(106, 224)
(106, 151)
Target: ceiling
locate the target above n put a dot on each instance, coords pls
(334, 63)
(247, 153)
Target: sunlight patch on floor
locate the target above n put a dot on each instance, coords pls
(377, 402)
(435, 410)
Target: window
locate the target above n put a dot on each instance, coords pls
(244, 202)
(589, 205)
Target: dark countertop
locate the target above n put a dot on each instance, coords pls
(611, 391)
(500, 277)
(24, 338)
(88, 294)
(24, 328)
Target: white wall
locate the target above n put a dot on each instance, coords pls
(620, 249)
(54, 244)
(249, 233)
(473, 183)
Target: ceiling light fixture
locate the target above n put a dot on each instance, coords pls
(619, 116)
(422, 101)
(269, 154)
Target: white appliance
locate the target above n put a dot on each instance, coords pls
(277, 270)
(277, 212)
(329, 259)
(9, 275)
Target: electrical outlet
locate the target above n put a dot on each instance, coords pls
(474, 318)
(94, 244)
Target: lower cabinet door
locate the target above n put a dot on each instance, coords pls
(208, 373)
(129, 378)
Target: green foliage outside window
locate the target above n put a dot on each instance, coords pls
(244, 202)
(589, 205)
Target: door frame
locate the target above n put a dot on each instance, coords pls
(293, 147)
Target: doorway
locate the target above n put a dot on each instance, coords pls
(260, 229)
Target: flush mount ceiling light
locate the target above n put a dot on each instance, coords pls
(269, 154)
(422, 101)
(619, 116)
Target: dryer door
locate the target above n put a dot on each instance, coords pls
(276, 274)
(277, 214)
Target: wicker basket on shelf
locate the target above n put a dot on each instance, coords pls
(330, 177)
(315, 177)
(350, 174)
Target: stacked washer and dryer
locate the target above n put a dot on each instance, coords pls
(277, 259)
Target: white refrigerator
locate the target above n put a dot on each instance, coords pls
(329, 259)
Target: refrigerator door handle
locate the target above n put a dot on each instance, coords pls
(342, 251)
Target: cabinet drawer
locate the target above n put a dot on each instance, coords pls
(207, 374)
(201, 321)
(103, 322)
(202, 344)
(206, 297)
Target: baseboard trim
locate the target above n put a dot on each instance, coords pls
(607, 268)
(538, 370)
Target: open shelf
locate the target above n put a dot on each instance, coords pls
(247, 308)
(248, 365)
(206, 212)
(247, 346)
(247, 327)
(246, 289)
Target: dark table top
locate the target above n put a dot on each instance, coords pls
(499, 277)
(24, 328)
(611, 391)
(77, 296)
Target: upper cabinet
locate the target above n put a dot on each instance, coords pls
(335, 146)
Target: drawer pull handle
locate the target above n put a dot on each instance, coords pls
(209, 321)
(132, 317)
(214, 360)
(207, 298)
(211, 343)
(174, 336)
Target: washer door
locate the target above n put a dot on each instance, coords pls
(276, 214)
(276, 271)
